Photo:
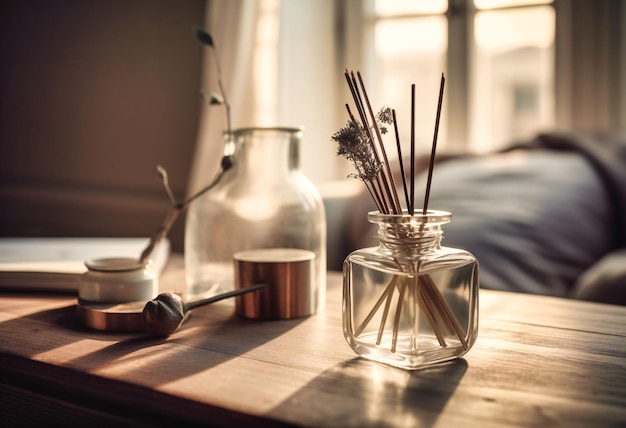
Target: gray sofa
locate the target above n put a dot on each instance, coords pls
(546, 216)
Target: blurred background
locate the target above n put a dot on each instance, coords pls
(94, 94)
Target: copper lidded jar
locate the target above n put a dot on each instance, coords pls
(263, 201)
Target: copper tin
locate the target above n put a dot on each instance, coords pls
(289, 275)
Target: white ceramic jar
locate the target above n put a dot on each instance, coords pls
(117, 280)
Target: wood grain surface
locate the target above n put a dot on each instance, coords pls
(538, 361)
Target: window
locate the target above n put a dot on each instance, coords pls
(498, 57)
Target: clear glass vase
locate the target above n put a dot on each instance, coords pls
(262, 201)
(410, 302)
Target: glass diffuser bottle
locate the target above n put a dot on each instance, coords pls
(262, 201)
(410, 302)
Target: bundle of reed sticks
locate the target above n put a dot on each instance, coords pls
(361, 142)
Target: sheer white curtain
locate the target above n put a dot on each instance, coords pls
(311, 82)
(280, 66)
(232, 23)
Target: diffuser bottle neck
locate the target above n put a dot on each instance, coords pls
(406, 236)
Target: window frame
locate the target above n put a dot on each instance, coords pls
(589, 84)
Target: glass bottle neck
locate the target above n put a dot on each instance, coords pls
(410, 235)
(264, 151)
(407, 240)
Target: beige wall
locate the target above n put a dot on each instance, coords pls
(94, 94)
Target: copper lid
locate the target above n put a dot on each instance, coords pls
(289, 275)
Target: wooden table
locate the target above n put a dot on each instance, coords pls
(538, 361)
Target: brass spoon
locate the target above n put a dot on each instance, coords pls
(165, 314)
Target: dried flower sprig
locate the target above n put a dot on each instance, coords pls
(387, 176)
(366, 147)
(354, 144)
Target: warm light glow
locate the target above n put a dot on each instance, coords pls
(74, 351)
(410, 37)
(410, 51)
(513, 75)
(386, 384)
(265, 74)
(509, 30)
(256, 208)
(409, 7)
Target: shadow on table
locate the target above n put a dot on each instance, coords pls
(213, 335)
(362, 393)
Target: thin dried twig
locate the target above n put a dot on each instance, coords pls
(178, 207)
(208, 40)
(227, 161)
(164, 178)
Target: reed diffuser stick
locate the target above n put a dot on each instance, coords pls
(379, 302)
(434, 147)
(381, 327)
(400, 160)
(396, 321)
(412, 183)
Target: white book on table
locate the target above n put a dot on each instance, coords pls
(55, 264)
